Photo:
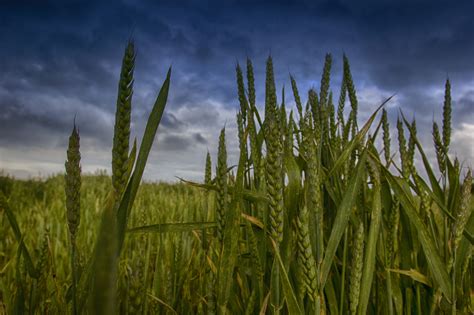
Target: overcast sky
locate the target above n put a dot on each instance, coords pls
(62, 58)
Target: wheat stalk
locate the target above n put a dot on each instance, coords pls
(356, 269)
(73, 201)
(305, 253)
(386, 137)
(121, 146)
(439, 147)
(274, 157)
(447, 116)
(221, 184)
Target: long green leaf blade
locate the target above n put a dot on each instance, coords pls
(173, 227)
(370, 252)
(145, 147)
(435, 264)
(342, 219)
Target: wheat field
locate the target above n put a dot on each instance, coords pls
(319, 216)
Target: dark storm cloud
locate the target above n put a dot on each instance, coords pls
(199, 138)
(419, 44)
(170, 121)
(465, 105)
(172, 142)
(62, 58)
(426, 106)
(22, 126)
(180, 142)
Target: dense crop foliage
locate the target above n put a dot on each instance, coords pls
(39, 208)
(313, 219)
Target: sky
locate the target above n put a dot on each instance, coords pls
(61, 59)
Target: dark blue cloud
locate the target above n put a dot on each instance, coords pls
(61, 58)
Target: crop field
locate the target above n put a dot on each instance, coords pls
(319, 216)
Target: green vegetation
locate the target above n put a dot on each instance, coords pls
(310, 221)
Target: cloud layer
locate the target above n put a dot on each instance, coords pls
(62, 61)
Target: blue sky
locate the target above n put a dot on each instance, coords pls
(62, 58)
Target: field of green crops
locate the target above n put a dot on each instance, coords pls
(319, 216)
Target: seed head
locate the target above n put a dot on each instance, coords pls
(439, 147)
(208, 171)
(274, 163)
(356, 271)
(386, 136)
(341, 103)
(447, 116)
(325, 81)
(250, 83)
(394, 220)
(411, 146)
(402, 149)
(332, 120)
(351, 91)
(305, 253)
(221, 182)
(296, 95)
(73, 183)
(242, 135)
(464, 211)
(121, 142)
(241, 92)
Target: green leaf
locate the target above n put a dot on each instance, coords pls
(331, 298)
(19, 302)
(105, 264)
(290, 296)
(173, 227)
(293, 189)
(355, 141)
(437, 193)
(342, 219)
(414, 274)
(397, 294)
(126, 202)
(249, 195)
(435, 264)
(453, 196)
(131, 159)
(16, 230)
(229, 252)
(145, 147)
(292, 197)
(370, 251)
(464, 248)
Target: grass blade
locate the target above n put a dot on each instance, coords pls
(145, 147)
(414, 274)
(291, 300)
(105, 264)
(342, 219)
(370, 252)
(173, 227)
(435, 264)
(355, 141)
(16, 230)
(228, 257)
